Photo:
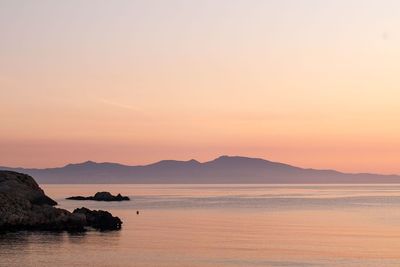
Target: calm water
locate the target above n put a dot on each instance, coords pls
(224, 225)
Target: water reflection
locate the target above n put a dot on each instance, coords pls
(209, 225)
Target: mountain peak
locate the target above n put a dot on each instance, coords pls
(232, 158)
(85, 163)
(170, 163)
(89, 162)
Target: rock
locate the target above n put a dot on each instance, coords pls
(102, 196)
(99, 219)
(24, 206)
(23, 186)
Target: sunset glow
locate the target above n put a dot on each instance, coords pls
(310, 84)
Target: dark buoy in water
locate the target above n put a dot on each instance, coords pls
(137, 212)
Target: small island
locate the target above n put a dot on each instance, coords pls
(101, 196)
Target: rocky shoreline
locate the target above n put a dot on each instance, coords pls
(25, 206)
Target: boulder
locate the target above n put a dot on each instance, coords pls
(99, 219)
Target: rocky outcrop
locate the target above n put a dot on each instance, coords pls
(102, 196)
(24, 206)
(100, 219)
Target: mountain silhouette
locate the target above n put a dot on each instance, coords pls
(222, 170)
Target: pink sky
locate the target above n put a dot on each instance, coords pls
(309, 83)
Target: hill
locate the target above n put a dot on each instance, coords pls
(225, 169)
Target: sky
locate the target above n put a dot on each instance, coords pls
(307, 82)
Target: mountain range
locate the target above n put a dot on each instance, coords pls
(222, 170)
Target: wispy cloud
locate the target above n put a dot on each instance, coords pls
(117, 104)
(135, 112)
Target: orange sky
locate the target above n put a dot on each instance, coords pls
(310, 83)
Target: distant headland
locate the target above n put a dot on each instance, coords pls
(222, 170)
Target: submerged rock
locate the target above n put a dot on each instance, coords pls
(102, 196)
(24, 206)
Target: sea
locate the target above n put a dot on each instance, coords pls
(223, 225)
